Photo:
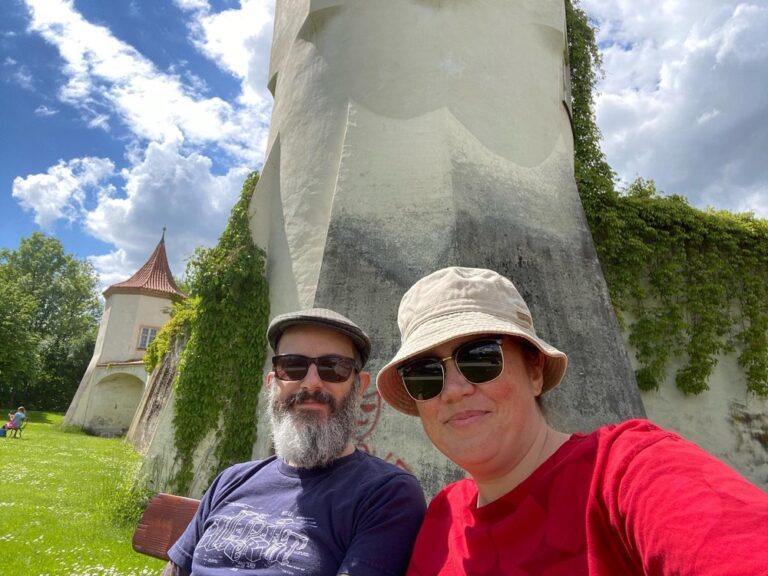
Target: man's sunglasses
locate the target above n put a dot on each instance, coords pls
(478, 361)
(330, 368)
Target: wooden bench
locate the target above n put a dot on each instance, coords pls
(163, 521)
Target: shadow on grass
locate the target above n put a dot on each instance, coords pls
(45, 417)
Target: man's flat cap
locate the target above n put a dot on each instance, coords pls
(324, 318)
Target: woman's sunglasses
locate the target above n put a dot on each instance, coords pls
(478, 361)
(330, 368)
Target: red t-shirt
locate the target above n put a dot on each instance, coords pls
(627, 499)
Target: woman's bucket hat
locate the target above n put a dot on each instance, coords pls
(456, 302)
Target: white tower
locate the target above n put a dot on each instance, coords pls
(114, 382)
(409, 135)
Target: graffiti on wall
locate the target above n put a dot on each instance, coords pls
(369, 416)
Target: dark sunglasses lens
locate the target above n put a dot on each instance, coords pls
(423, 378)
(334, 368)
(480, 361)
(291, 367)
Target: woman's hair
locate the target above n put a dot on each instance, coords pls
(533, 356)
(531, 353)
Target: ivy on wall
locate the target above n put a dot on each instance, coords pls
(219, 375)
(687, 283)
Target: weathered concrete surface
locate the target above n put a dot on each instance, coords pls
(156, 401)
(726, 420)
(409, 135)
(152, 431)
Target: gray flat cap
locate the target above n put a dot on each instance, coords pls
(324, 318)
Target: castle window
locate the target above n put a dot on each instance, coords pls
(147, 335)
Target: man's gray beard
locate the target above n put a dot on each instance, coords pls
(307, 438)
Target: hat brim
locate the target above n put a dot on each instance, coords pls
(445, 328)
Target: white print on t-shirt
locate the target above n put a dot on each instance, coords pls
(250, 539)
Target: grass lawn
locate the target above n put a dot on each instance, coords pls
(68, 503)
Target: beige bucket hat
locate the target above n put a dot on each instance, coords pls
(455, 302)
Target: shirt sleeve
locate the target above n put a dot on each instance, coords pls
(386, 529)
(182, 552)
(678, 510)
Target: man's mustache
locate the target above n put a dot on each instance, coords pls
(319, 396)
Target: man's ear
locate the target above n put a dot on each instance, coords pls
(269, 378)
(365, 380)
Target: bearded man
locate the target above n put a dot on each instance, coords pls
(319, 506)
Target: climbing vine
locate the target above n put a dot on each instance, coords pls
(182, 315)
(685, 283)
(219, 375)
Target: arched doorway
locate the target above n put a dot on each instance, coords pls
(113, 402)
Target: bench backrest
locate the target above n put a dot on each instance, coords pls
(163, 521)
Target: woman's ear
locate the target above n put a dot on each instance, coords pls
(535, 367)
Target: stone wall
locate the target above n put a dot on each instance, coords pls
(726, 420)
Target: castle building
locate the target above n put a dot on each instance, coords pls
(113, 384)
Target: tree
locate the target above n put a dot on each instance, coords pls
(62, 309)
(18, 342)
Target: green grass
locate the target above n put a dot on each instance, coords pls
(69, 503)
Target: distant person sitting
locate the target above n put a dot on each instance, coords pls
(16, 420)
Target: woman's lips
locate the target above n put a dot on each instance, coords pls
(466, 418)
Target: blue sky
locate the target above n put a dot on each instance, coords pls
(121, 117)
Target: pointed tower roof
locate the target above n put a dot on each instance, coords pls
(152, 279)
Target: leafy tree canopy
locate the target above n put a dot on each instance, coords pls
(54, 307)
(18, 342)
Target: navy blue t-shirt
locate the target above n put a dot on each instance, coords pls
(360, 515)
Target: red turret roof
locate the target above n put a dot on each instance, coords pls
(153, 279)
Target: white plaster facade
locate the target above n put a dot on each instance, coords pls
(115, 380)
(124, 317)
(381, 113)
(726, 420)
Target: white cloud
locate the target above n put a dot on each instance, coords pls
(112, 268)
(104, 71)
(685, 98)
(60, 192)
(23, 78)
(164, 188)
(108, 79)
(99, 121)
(192, 4)
(44, 110)
(238, 40)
